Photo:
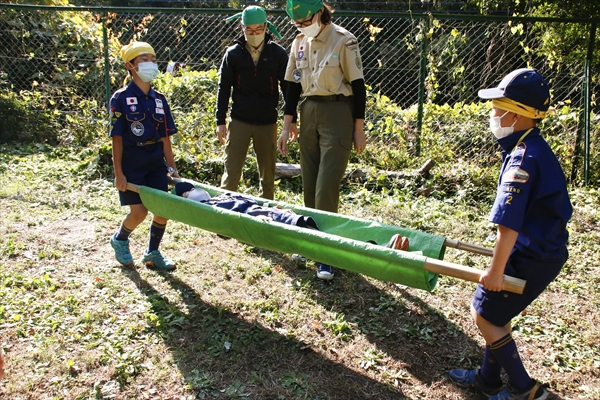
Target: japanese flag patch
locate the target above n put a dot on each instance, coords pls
(131, 100)
(515, 175)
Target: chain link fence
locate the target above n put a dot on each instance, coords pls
(423, 71)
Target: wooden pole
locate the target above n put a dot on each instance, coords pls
(133, 187)
(511, 284)
(457, 244)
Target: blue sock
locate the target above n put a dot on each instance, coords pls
(490, 369)
(505, 351)
(156, 233)
(123, 233)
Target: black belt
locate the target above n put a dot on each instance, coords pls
(335, 97)
(142, 144)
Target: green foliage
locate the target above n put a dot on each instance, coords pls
(47, 101)
(297, 383)
(459, 132)
(22, 118)
(192, 98)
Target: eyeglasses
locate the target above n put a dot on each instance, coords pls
(305, 22)
(256, 31)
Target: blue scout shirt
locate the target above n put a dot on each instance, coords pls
(139, 118)
(532, 196)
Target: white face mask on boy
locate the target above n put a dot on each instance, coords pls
(498, 130)
(147, 71)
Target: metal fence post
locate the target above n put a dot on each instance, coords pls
(588, 66)
(106, 64)
(422, 76)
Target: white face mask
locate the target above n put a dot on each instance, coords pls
(255, 40)
(147, 71)
(312, 30)
(498, 130)
(198, 195)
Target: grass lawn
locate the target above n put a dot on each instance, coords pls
(235, 321)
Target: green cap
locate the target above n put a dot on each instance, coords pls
(302, 9)
(255, 15)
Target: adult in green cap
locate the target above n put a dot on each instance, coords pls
(326, 69)
(252, 72)
(255, 15)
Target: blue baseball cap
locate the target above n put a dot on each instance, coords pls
(525, 86)
(182, 187)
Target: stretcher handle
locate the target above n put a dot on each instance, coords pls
(457, 244)
(133, 187)
(511, 284)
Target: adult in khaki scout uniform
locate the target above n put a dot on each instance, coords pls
(253, 66)
(326, 69)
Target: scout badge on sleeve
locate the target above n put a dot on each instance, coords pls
(297, 75)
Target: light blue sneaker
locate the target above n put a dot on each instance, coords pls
(122, 253)
(156, 260)
(535, 392)
(470, 379)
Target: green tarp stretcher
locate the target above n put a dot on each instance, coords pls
(341, 240)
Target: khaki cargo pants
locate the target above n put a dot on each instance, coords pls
(264, 142)
(326, 129)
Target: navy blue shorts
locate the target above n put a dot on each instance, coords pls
(145, 167)
(500, 307)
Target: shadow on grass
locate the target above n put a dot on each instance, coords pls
(219, 352)
(417, 336)
(403, 326)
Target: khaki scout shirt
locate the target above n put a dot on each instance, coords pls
(325, 65)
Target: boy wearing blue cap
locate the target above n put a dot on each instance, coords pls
(252, 71)
(140, 127)
(532, 208)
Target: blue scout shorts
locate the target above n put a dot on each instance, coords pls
(143, 166)
(500, 307)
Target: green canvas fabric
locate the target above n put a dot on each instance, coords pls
(341, 241)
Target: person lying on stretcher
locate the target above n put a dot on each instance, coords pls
(245, 205)
(237, 202)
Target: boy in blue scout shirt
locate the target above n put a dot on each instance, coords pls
(140, 127)
(532, 208)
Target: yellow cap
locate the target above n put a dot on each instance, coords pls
(134, 49)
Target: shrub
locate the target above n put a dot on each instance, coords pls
(22, 120)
